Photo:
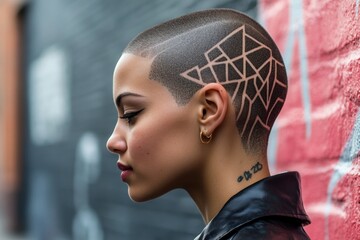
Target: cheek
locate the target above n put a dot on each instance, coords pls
(139, 146)
(143, 141)
(162, 139)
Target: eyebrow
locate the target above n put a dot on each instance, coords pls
(125, 94)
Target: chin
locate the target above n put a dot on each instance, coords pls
(141, 196)
(139, 199)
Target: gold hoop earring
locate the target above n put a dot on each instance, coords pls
(205, 139)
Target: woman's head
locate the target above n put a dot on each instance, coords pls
(216, 72)
(225, 47)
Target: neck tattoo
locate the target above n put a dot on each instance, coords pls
(248, 174)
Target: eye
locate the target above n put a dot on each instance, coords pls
(129, 117)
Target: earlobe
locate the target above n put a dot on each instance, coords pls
(213, 108)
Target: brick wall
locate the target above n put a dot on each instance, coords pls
(318, 131)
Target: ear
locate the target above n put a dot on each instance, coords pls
(214, 102)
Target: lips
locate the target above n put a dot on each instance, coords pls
(123, 167)
(126, 171)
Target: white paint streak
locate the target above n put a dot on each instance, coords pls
(322, 208)
(86, 224)
(310, 170)
(350, 56)
(49, 97)
(343, 168)
(326, 111)
(295, 116)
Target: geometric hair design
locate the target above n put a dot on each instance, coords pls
(243, 71)
(221, 46)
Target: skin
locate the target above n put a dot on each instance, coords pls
(162, 146)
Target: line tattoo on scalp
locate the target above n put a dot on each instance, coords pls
(223, 47)
(250, 74)
(248, 174)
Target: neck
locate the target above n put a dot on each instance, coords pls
(225, 175)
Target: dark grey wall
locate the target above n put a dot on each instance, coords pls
(71, 48)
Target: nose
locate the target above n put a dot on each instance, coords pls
(116, 142)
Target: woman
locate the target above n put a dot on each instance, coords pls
(196, 98)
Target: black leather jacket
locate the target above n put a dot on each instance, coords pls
(269, 209)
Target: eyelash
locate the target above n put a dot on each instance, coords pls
(130, 116)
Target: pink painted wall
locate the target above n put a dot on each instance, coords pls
(318, 131)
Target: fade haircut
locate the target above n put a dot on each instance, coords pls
(221, 46)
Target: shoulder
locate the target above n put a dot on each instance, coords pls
(278, 228)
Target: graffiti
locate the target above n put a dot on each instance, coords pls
(350, 152)
(86, 225)
(49, 83)
(297, 29)
(343, 168)
(296, 32)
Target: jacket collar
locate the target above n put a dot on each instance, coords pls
(278, 195)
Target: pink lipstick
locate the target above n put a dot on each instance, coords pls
(125, 171)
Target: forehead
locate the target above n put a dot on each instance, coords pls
(131, 72)
(131, 75)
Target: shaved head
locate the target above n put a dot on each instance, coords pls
(225, 47)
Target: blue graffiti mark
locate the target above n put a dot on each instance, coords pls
(296, 29)
(349, 154)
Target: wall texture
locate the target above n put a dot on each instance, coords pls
(70, 48)
(318, 132)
